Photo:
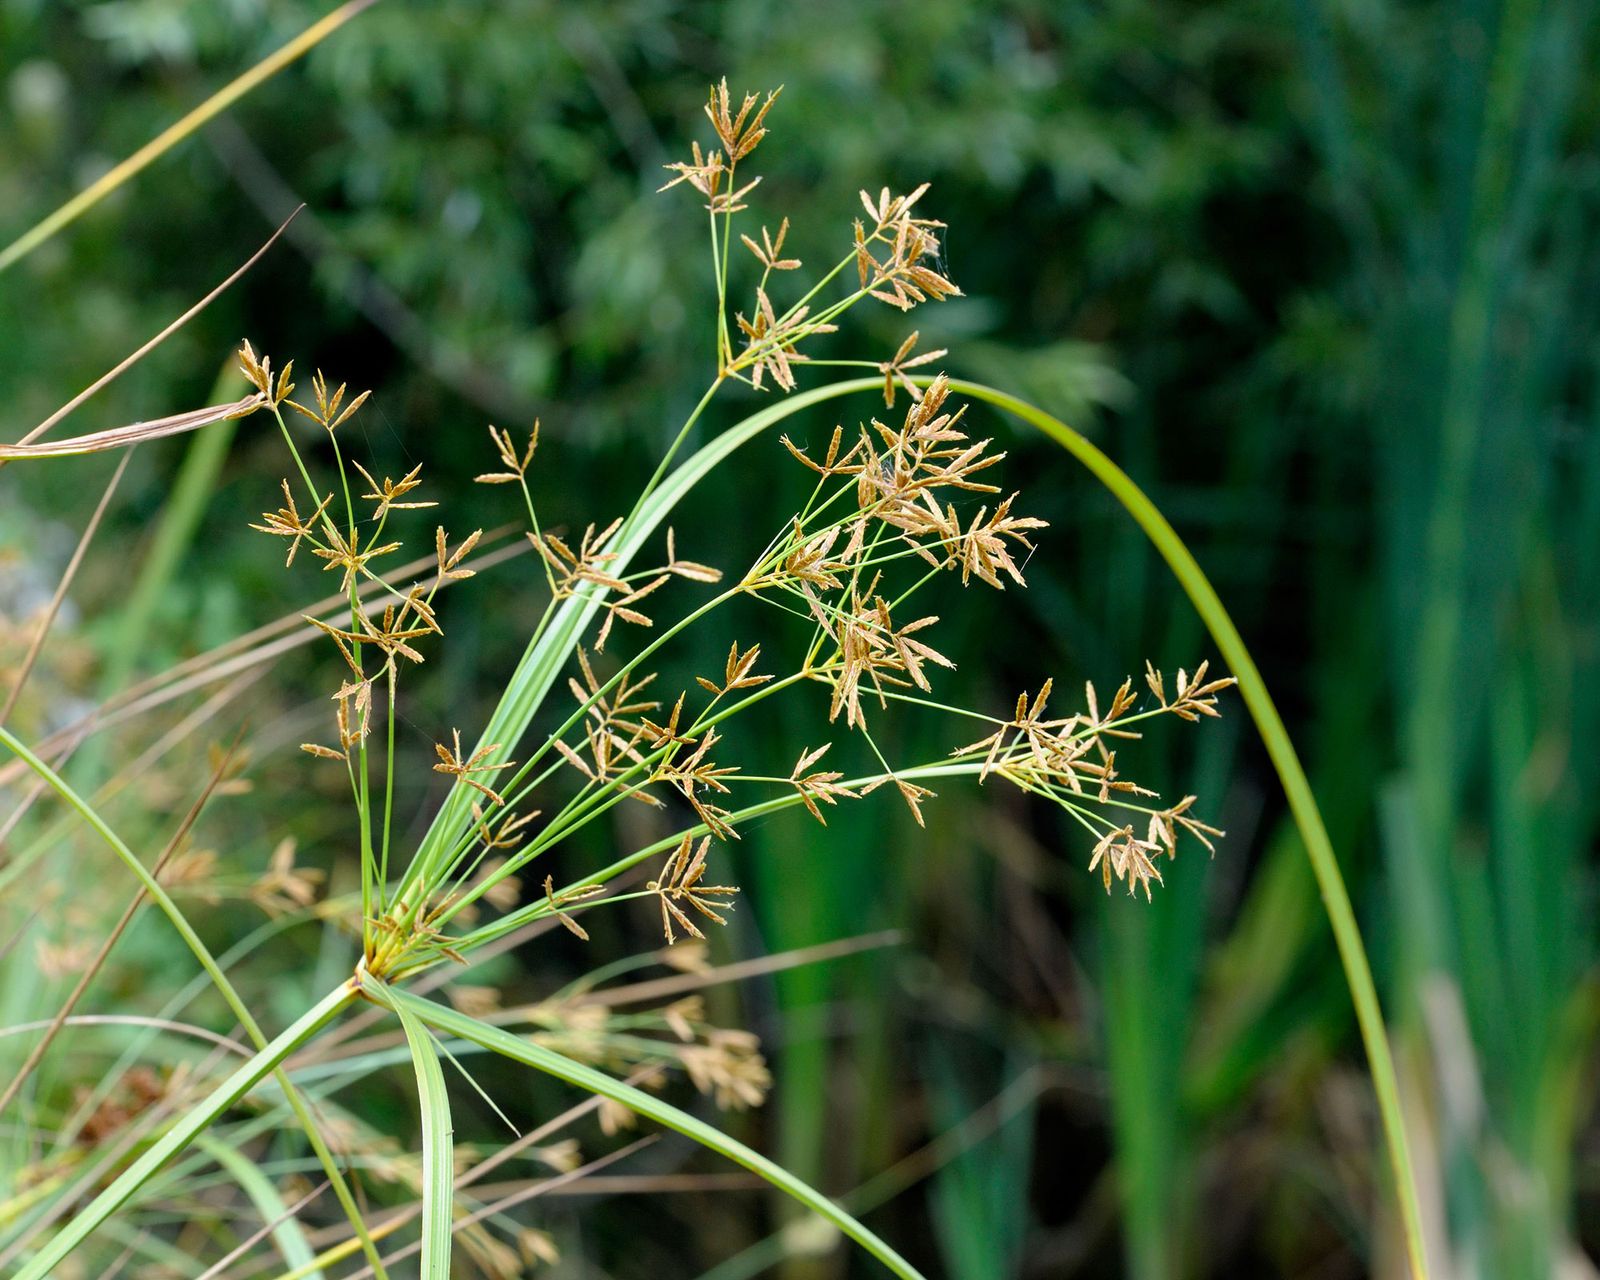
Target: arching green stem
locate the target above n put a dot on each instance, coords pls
(1302, 803)
(547, 657)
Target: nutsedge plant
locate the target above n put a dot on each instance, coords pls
(899, 502)
(881, 522)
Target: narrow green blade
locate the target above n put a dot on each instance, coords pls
(575, 1073)
(438, 1173)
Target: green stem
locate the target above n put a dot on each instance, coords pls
(1292, 776)
(666, 459)
(539, 910)
(388, 810)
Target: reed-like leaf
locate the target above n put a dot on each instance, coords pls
(438, 1172)
(587, 1078)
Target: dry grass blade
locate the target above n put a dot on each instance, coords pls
(262, 1232)
(647, 1184)
(93, 1208)
(336, 1246)
(249, 651)
(113, 374)
(543, 1187)
(133, 433)
(36, 646)
(447, 1020)
(130, 773)
(132, 1020)
(666, 988)
(650, 991)
(535, 1136)
(11, 943)
(36, 1054)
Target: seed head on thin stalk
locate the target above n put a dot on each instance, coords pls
(819, 786)
(287, 522)
(469, 768)
(896, 370)
(681, 886)
(388, 494)
(768, 252)
(516, 464)
(898, 502)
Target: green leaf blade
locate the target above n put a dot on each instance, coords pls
(438, 1170)
(576, 1073)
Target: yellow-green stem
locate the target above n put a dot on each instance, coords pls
(1292, 776)
(176, 133)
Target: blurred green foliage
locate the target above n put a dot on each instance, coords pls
(1323, 277)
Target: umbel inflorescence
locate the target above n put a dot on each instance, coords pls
(895, 503)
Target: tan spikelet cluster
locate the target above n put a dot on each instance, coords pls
(903, 276)
(681, 886)
(471, 769)
(897, 503)
(287, 522)
(587, 565)
(516, 464)
(898, 487)
(895, 252)
(896, 370)
(1070, 760)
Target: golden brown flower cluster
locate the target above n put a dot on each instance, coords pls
(896, 504)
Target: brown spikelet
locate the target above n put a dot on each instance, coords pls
(680, 885)
(462, 768)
